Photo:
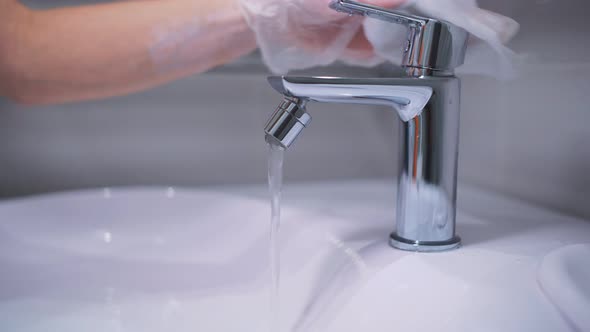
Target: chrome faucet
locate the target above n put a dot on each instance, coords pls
(427, 100)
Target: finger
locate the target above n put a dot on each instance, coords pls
(360, 42)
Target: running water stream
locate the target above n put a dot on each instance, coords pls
(275, 182)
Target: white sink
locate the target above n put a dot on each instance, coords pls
(158, 259)
(564, 276)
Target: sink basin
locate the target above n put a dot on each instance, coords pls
(564, 275)
(165, 259)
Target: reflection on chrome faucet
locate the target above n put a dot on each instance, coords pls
(427, 99)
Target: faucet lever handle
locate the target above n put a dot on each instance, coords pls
(432, 44)
(356, 8)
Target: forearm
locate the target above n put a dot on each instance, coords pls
(104, 50)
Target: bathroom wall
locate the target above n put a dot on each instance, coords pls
(527, 138)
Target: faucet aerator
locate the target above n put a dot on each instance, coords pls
(287, 122)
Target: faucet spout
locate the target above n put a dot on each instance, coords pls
(290, 117)
(407, 100)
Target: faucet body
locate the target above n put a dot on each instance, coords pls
(427, 100)
(429, 140)
(427, 178)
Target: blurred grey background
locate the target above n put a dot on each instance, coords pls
(526, 138)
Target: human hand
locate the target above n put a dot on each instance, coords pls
(486, 53)
(299, 34)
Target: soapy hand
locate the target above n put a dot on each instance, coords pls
(299, 34)
(486, 53)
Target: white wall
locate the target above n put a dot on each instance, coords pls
(528, 138)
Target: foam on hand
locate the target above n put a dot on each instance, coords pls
(486, 53)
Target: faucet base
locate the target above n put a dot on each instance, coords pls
(423, 246)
